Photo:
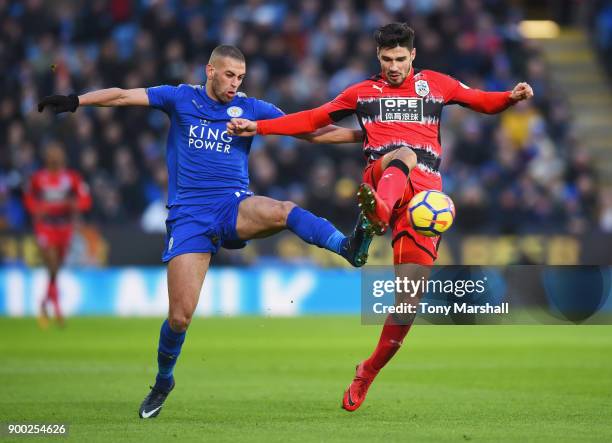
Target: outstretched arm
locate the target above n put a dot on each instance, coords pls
(490, 102)
(102, 97)
(300, 123)
(329, 134)
(332, 134)
(115, 97)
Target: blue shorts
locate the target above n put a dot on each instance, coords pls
(204, 227)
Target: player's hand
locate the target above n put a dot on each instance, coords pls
(521, 91)
(60, 103)
(242, 127)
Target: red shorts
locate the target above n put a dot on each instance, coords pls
(57, 236)
(409, 246)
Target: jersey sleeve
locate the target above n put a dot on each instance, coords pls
(81, 191)
(313, 119)
(343, 105)
(486, 102)
(264, 110)
(162, 97)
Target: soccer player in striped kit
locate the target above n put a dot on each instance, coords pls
(54, 197)
(399, 112)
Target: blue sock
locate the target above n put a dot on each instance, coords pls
(169, 348)
(315, 230)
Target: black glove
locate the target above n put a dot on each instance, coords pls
(60, 103)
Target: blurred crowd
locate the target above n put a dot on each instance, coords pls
(520, 171)
(600, 21)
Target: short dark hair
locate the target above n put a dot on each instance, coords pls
(394, 34)
(226, 51)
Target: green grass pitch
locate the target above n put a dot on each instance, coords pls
(263, 379)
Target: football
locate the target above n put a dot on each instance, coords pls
(431, 212)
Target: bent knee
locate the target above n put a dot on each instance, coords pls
(281, 212)
(407, 156)
(179, 322)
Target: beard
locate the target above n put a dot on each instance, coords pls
(219, 92)
(221, 96)
(398, 79)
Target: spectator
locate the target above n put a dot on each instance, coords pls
(504, 172)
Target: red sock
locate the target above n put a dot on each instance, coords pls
(53, 296)
(392, 184)
(389, 343)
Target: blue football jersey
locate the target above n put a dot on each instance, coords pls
(204, 162)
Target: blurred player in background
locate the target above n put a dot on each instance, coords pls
(210, 204)
(54, 197)
(399, 111)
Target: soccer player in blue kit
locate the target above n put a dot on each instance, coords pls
(208, 198)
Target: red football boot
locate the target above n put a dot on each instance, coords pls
(356, 393)
(374, 208)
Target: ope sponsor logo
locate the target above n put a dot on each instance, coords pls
(213, 139)
(401, 103)
(401, 109)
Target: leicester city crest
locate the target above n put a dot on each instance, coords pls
(234, 111)
(421, 87)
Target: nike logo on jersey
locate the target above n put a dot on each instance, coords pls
(197, 105)
(380, 88)
(146, 414)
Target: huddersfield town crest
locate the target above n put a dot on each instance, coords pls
(234, 111)
(421, 87)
